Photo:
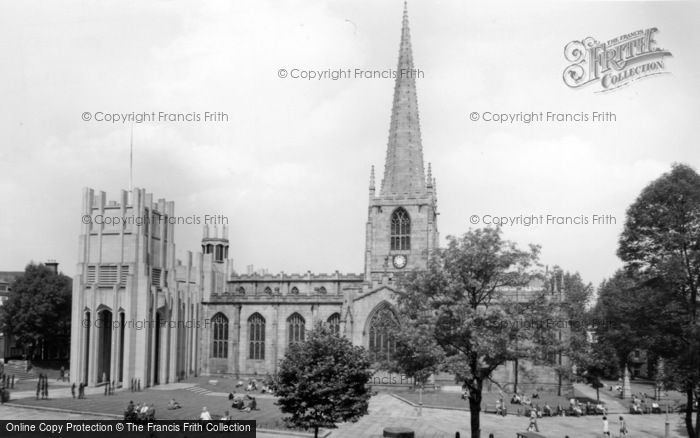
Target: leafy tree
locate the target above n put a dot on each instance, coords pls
(660, 246)
(323, 381)
(466, 299)
(417, 355)
(37, 313)
(619, 309)
(599, 361)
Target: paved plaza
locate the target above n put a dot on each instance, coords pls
(385, 410)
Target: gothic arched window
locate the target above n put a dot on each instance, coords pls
(400, 230)
(268, 291)
(322, 290)
(219, 330)
(295, 291)
(256, 336)
(295, 328)
(240, 290)
(381, 340)
(334, 323)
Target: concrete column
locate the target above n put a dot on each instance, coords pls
(151, 351)
(92, 360)
(275, 338)
(174, 339)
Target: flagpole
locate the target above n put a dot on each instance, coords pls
(131, 163)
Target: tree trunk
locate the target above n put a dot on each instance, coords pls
(597, 393)
(316, 432)
(697, 421)
(515, 385)
(474, 412)
(689, 413)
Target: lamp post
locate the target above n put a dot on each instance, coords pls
(420, 399)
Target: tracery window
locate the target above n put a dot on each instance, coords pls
(400, 230)
(295, 328)
(219, 327)
(256, 336)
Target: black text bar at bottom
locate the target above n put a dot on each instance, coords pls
(115, 428)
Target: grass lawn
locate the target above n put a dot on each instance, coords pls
(267, 415)
(641, 387)
(454, 400)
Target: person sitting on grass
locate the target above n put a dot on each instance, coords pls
(249, 404)
(515, 400)
(172, 404)
(237, 403)
(151, 413)
(205, 415)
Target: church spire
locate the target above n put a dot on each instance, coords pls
(403, 170)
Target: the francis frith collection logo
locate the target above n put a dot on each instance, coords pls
(616, 62)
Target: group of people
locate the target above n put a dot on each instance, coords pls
(206, 415)
(109, 388)
(517, 399)
(246, 403)
(641, 406)
(577, 409)
(139, 412)
(135, 385)
(7, 381)
(252, 385)
(42, 387)
(81, 390)
(624, 433)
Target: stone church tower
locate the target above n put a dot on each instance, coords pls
(402, 219)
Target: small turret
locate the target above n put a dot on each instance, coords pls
(216, 243)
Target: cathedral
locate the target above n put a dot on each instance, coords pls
(140, 314)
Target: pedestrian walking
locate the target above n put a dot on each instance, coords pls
(606, 426)
(623, 428)
(533, 422)
(72, 390)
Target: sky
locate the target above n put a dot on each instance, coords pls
(290, 167)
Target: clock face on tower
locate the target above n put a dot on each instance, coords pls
(399, 261)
